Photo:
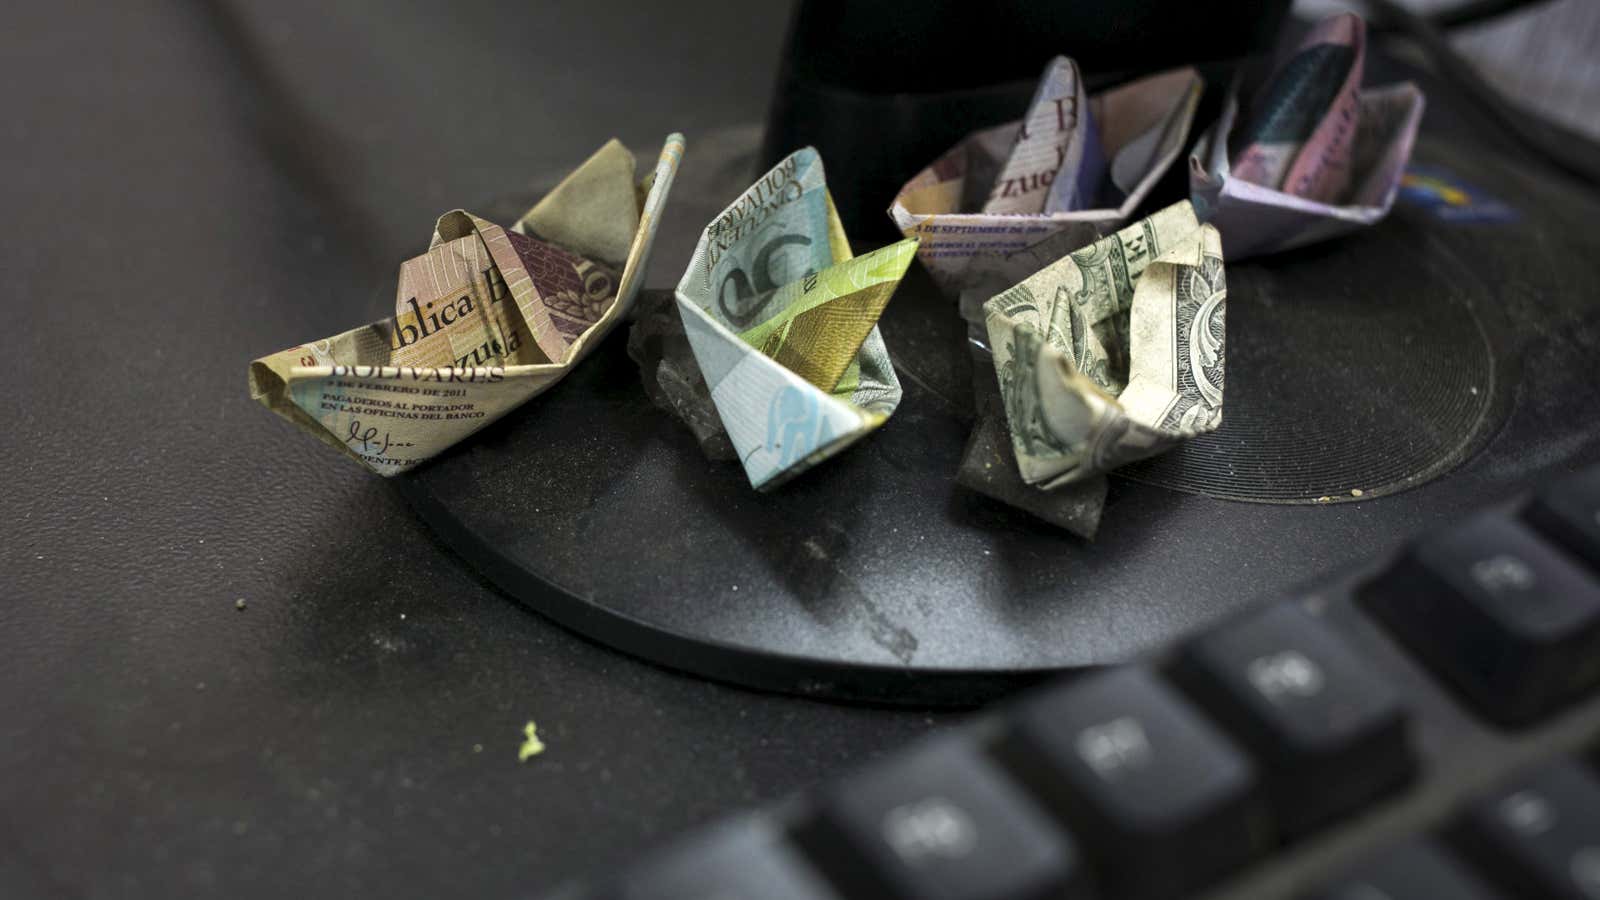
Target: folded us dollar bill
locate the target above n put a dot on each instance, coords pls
(484, 320)
(1075, 166)
(782, 320)
(1115, 352)
(1308, 154)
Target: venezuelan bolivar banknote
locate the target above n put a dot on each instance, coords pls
(1074, 166)
(1115, 352)
(1308, 154)
(484, 320)
(782, 320)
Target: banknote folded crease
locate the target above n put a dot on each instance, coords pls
(782, 318)
(1115, 352)
(485, 320)
(1308, 154)
(1074, 168)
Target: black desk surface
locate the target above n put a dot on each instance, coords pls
(185, 190)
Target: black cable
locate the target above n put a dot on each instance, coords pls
(1569, 150)
(1465, 14)
(1474, 11)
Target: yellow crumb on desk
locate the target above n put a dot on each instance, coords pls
(532, 746)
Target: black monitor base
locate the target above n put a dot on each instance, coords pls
(1373, 363)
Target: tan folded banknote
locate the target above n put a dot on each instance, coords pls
(1116, 351)
(484, 320)
(1074, 166)
(782, 319)
(1308, 154)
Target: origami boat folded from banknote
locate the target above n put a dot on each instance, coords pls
(1115, 352)
(1074, 167)
(484, 320)
(782, 320)
(1309, 154)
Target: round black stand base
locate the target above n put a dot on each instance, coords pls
(875, 577)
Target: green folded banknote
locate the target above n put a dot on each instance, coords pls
(782, 320)
(485, 320)
(1114, 352)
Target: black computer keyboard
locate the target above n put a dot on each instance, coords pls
(1427, 726)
